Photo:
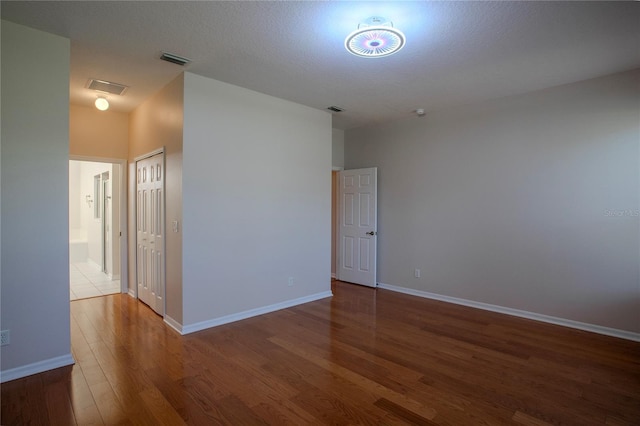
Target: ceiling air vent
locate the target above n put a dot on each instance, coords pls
(106, 86)
(335, 108)
(174, 59)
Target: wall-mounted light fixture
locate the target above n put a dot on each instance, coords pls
(102, 103)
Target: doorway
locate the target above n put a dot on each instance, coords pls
(95, 210)
(357, 226)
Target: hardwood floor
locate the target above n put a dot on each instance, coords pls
(364, 356)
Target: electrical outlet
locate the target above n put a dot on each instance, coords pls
(290, 283)
(416, 273)
(4, 337)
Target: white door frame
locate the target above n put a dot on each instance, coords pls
(124, 246)
(164, 222)
(336, 236)
(104, 229)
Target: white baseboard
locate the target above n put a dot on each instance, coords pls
(36, 367)
(614, 332)
(192, 328)
(131, 293)
(173, 324)
(333, 276)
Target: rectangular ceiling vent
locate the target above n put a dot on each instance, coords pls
(174, 59)
(106, 87)
(335, 108)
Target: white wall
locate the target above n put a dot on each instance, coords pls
(114, 261)
(98, 134)
(337, 160)
(529, 202)
(35, 209)
(76, 203)
(337, 148)
(256, 200)
(157, 123)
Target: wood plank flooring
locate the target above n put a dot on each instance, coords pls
(364, 356)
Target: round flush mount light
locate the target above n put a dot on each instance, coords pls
(102, 104)
(375, 38)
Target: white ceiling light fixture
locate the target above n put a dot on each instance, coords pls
(102, 104)
(375, 38)
(104, 88)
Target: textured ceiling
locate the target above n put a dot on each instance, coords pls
(456, 52)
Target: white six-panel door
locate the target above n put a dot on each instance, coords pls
(357, 224)
(150, 231)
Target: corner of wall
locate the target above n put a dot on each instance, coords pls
(35, 146)
(158, 123)
(337, 148)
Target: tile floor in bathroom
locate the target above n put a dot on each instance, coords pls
(88, 281)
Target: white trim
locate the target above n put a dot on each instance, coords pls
(36, 367)
(192, 328)
(96, 159)
(614, 332)
(335, 207)
(132, 216)
(338, 224)
(173, 323)
(150, 154)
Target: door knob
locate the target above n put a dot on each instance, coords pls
(371, 233)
